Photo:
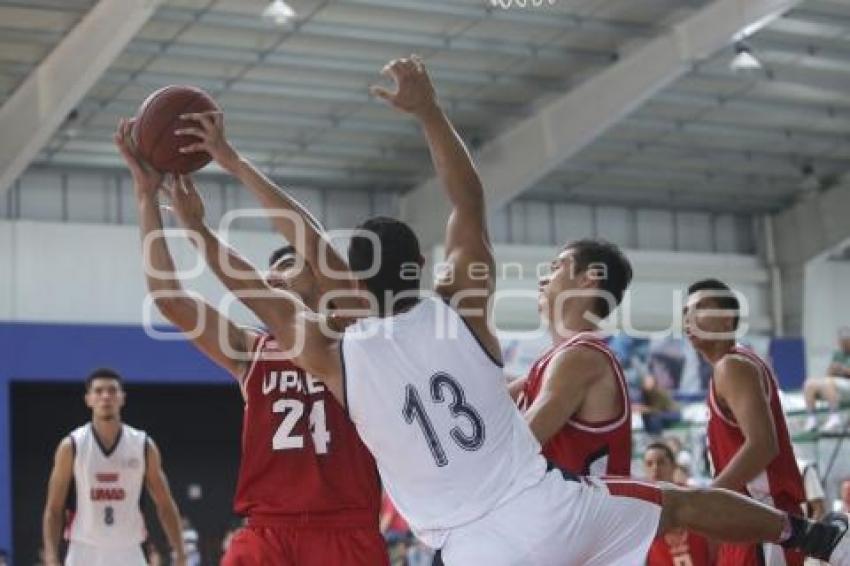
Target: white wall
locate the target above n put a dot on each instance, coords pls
(59, 272)
(655, 300)
(826, 308)
(78, 196)
(530, 222)
(62, 272)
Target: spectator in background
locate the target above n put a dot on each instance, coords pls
(677, 546)
(843, 504)
(4, 557)
(190, 543)
(834, 388)
(656, 407)
(815, 506)
(395, 530)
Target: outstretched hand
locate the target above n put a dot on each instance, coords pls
(414, 92)
(210, 132)
(146, 180)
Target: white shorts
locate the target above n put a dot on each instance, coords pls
(81, 554)
(563, 522)
(842, 385)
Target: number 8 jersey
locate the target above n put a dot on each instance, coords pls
(300, 452)
(108, 486)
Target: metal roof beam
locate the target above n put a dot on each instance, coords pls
(406, 39)
(519, 158)
(36, 109)
(547, 19)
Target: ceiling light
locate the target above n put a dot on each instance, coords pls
(279, 12)
(744, 59)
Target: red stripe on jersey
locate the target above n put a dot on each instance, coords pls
(634, 489)
(583, 448)
(781, 479)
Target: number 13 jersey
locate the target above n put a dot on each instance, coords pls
(434, 409)
(300, 452)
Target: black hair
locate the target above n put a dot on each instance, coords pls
(664, 448)
(399, 249)
(597, 253)
(722, 294)
(280, 253)
(104, 373)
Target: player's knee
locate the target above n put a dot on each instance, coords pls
(680, 506)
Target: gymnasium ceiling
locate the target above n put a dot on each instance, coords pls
(296, 97)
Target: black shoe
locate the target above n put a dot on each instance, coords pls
(825, 540)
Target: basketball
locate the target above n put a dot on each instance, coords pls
(157, 119)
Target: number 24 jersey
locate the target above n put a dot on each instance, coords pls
(300, 452)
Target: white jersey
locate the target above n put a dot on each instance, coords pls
(109, 488)
(434, 410)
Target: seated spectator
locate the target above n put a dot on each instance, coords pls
(656, 407)
(834, 388)
(4, 558)
(676, 546)
(843, 504)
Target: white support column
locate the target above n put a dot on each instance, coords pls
(30, 117)
(809, 228)
(516, 160)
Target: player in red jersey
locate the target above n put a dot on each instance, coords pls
(748, 437)
(307, 485)
(676, 547)
(575, 396)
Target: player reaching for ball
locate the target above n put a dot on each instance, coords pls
(307, 485)
(423, 383)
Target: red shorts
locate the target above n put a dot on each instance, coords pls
(264, 543)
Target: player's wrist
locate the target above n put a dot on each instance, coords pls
(230, 160)
(428, 112)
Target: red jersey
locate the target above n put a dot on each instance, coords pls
(780, 485)
(300, 452)
(679, 548)
(584, 448)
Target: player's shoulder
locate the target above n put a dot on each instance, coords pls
(736, 365)
(735, 371)
(135, 436)
(578, 359)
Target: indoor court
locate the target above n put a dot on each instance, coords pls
(705, 139)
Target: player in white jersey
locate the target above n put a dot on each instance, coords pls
(110, 463)
(422, 380)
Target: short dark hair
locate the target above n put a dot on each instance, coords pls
(664, 448)
(618, 269)
(104, 373)
(399, 247)
(279, 253)
(722, 293)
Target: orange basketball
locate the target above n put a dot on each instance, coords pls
(157, 119)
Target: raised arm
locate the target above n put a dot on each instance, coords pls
(214, 334)
(301, 333)
(289, 217)
(57, 492)
(470, 273)
(166, 508)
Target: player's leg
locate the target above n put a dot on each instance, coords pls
(731, 517)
